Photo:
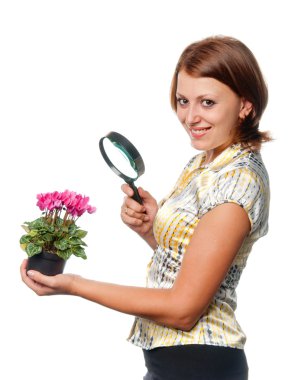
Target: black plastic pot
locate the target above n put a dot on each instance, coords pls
(46, 263)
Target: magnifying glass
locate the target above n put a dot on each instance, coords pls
(123, 158)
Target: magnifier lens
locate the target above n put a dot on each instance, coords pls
(120, 158)
(123, 158)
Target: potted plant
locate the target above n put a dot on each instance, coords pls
(52, 238)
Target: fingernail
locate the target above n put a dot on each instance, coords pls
(30, 273)
(146, 218)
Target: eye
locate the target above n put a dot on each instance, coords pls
(207, 103)
(182, 101)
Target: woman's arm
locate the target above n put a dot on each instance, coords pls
(212, 249)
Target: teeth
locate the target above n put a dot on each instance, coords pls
(200, 131)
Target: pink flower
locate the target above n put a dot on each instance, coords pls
(56, 201)
(74, 204)
(82, 205)
(78, 206)
(73, 200)
(64, 195)
(44, 200)
(68, 198)
(91, 209)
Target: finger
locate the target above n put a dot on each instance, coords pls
(23, 270)
(127, 189)
(23, 265)
(33, 285)
(134, 205)
(128, 212)
(144, 194)
(48, 281)
(134, 222)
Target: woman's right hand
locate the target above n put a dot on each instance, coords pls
(139, 217)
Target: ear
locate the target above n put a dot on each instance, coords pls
(245, 108)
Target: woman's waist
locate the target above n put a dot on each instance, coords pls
(217, 326)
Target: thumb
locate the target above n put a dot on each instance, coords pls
(40, 278)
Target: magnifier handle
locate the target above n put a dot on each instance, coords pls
(136, 195)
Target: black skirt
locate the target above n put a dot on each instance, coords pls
(196, 362)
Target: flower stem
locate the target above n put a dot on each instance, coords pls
(65, 218)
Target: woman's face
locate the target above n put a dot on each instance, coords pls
(209, 111)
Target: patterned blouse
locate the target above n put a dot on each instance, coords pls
(237, 175)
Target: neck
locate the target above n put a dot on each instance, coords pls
(213, 153)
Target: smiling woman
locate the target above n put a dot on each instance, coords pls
(227, 61)
(202, 233)
(210, 112)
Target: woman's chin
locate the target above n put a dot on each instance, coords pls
(198, 145)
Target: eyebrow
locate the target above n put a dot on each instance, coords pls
(198, 97)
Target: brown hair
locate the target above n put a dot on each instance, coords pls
(231, 62)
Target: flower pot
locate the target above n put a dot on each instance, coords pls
(46, 263)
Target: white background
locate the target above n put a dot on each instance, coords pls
(70, 72)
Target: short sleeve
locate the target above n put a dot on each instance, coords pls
(245, 188)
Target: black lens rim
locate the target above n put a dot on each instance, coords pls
(119, 139)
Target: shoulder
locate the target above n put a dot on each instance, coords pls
(244, 167)
(244, 176)
(251, 162)
(242, 180)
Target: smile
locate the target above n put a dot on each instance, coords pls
(199, 132)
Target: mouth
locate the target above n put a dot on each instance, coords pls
(199, 132)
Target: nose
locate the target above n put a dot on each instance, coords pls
(192, 115)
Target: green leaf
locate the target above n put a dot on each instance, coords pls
(38, 223)
(79, 252)
(64, 229)
(81, 233)
(72, 229)
(50, 229)
(33, 233)
(48, 237)
(25, 239)
(38, 241)
(62, 244)
(76, 241)
(59, 222)
(33, 249)
(64, 254)
(23, 246)
(26, 228)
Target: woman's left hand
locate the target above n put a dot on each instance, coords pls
(47, 285)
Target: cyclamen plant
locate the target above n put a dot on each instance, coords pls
(56, 230)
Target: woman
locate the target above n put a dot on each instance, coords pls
(203, 231)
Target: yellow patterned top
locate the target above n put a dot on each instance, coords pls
(237, 175)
